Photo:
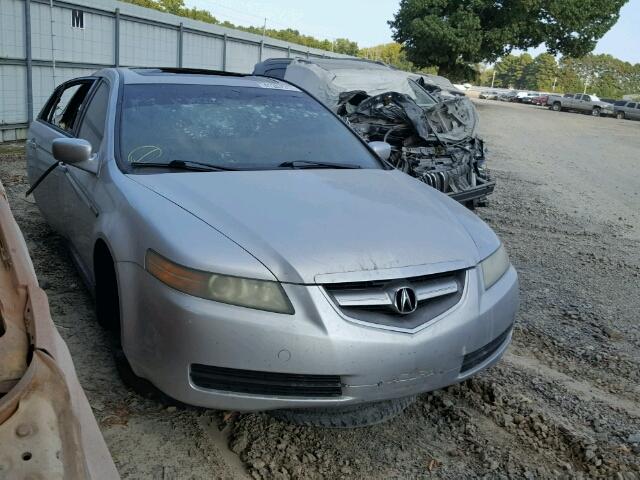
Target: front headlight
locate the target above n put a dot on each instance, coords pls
(244, 292)
(495, 266)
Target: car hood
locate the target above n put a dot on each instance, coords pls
(320, 226)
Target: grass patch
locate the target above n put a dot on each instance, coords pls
(13, 148)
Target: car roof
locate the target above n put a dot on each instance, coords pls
(331, 63)
(197, 77)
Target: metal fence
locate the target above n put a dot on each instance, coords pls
(46, 42)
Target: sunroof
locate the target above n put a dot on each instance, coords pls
(183, 71)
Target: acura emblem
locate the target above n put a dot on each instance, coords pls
(405, 300)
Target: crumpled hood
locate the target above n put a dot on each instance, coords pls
(305, 225)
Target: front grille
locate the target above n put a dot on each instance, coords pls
(373, 301)
(265, 383)
(478, 356)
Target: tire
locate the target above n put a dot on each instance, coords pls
(108, 313)
(139, 385)
(595, 112)
(620, 115)
(351, 416)
(556, 107)
(106, 289)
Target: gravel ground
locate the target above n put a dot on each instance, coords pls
(564, 402)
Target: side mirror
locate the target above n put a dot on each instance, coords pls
(71, 150)
(382, 149)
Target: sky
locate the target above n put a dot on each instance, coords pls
(365, 21)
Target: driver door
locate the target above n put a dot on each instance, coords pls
(57, 119)
(81, 199)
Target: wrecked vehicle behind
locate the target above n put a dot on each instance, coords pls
(430, 125)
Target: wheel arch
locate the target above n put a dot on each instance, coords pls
(106, 285)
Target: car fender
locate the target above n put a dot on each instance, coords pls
(138, 219)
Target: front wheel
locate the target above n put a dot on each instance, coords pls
(595, 112)
(556, 107)
(620, 115)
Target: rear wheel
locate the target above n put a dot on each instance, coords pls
(556, 107)
(350, 416)
(595, 112)
(619, 115)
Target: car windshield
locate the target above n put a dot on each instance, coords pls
(234, 127)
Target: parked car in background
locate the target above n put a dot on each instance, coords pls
(525, 97)
(540, 99)
(488, 95)
(250, 251)
(507, 96)
(625, 109)
(580, 102)
(432, 132)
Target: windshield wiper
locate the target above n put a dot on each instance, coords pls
(184, 165)
(312, 164)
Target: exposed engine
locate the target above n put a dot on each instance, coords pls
(431, 142)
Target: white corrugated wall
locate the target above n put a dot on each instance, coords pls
(61, 51)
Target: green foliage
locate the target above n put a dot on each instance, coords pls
(455, 34)
(451, 37)
(603, 75)
(540, 74)
(510, 71)
(177, 7)
(394, 55)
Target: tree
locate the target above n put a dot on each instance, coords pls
(454, 34)
(172, 6)
(510, 70)
(541, 73)
(485, 74)
(389, 53)
(177, 7)
(604, 75)
(393, 54)
(346, 46)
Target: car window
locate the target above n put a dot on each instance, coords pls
(568, 95)
(234, 127)
(620, 103)
(65, 109)
(93, 123)
(638, 105)
(586, 98)
(631, 105)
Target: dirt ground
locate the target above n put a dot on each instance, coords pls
(564, 402)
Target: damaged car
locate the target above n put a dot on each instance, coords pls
(251, 252)
(429, 123)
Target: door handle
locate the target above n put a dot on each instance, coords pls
(32, 143)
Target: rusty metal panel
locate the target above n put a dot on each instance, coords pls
(47, 429)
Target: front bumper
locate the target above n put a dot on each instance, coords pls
(482, 190)
(165, 332)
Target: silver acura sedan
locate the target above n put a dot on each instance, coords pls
(251, 252)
